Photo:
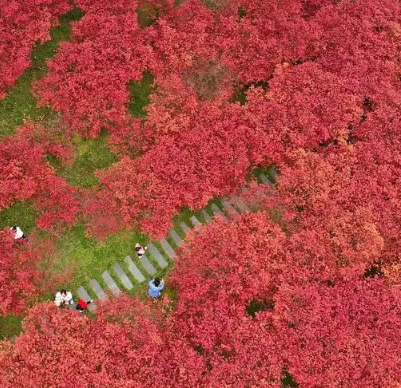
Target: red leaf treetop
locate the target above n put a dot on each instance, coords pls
(87, 79)
(23, 23)
(346, 334)
(22, 273)
(16, 274)
(305, 107)
(325, 329)
(125, 345)
(351, 196)
(211, 159)
(318, 92)
(25, 175)
(249, 305)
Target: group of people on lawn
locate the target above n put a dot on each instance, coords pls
(64, 297)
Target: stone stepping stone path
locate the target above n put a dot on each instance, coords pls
(206, 216)
(195, 222)
(98, 290)
(157, 256)
(123, 277)
(111, 284)
(233, 206)
(240, 204)
(147, 265)
(134, 270)
(229, 208)
(167, 248)
(175, 237)
(184, 227)
(217, 211)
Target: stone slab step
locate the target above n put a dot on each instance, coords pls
(111, 283)
(240, 204)
(206, 216)
(184, 227)
(217, 211)
(134, 269)
(122, 276)
(167, 248)
(83, 294)
(176, 237)
(98, 290)
(195, 222)
(147, 265)
(229, 208)
(157, 255)
(265, 180)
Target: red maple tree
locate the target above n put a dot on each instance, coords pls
(24, 23)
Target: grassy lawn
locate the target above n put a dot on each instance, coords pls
(10, 326)
(90, 155)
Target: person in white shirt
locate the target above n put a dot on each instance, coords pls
(63, 297)
(18, 233)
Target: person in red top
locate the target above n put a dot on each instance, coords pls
(82, 305)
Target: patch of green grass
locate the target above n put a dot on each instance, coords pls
(21, 213)
(10, 325)
(88, 258)
(288, 381)
(139, 95)
(256, 306)
(240, 94)
(90, 155)
(270, 172)
(20, 104)
(147, 14)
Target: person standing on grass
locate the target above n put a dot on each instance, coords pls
(63, 297)
(18, 233)
(155, 287)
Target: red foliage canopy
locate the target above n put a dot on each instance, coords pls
(23, 23)
(25, 175)
(87, 79)
(25, 271)
(126, 345)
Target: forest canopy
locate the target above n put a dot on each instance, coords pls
(185, 101)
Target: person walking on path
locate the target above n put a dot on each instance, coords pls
(63, 297)
(155, 287)
(140, 251)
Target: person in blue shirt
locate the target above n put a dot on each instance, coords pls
(155, 286)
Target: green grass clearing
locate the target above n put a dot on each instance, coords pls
(139, 95)
(10, 325)
(22, 214)
(90, 155)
